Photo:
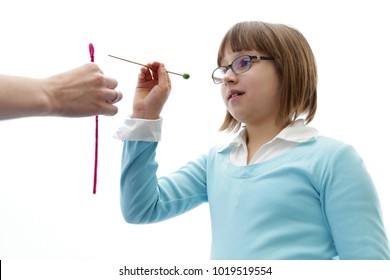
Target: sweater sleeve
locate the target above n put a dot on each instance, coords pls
(148, 199)
(352, 208)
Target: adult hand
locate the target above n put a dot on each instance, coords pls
(84, 91)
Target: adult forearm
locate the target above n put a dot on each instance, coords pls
(22, 97)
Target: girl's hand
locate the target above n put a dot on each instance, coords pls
(152, 91)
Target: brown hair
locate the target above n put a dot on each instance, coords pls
(294, 61)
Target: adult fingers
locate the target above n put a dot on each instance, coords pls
(109, 110)
(114, 96)
(111, 83)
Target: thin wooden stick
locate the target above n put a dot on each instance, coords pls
(185, 75)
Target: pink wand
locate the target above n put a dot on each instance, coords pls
(92, 54)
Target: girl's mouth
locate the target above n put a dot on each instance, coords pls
(234, 94)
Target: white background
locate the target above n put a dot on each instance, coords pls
(47, 209)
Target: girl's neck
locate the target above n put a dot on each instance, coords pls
(259, 135)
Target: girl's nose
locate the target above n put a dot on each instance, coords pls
(229, 77)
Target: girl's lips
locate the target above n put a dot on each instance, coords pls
(234, 93)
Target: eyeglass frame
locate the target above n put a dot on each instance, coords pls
(230, 66)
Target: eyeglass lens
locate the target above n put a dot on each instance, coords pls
(241, 64)
(238, 66)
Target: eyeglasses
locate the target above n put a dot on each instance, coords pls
(239, 65)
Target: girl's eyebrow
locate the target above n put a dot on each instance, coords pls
(238, 54)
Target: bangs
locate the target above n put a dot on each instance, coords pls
(244, 36)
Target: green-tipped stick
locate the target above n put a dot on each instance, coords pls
(185, 75)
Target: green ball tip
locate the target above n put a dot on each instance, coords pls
(186, 76)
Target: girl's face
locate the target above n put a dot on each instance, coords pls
(252, 97)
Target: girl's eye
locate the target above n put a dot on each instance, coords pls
(242, 64)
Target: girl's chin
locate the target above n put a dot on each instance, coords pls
(238, 116)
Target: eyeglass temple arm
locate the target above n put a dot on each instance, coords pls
(265, 57)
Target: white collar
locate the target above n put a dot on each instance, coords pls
(296, 132)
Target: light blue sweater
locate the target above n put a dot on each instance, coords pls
(315, 201)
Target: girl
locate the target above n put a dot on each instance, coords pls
(278, 191)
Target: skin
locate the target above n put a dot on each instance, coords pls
(81, 92)
(258, 106)
(152, 91)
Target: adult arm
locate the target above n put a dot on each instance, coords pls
(84, 91)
